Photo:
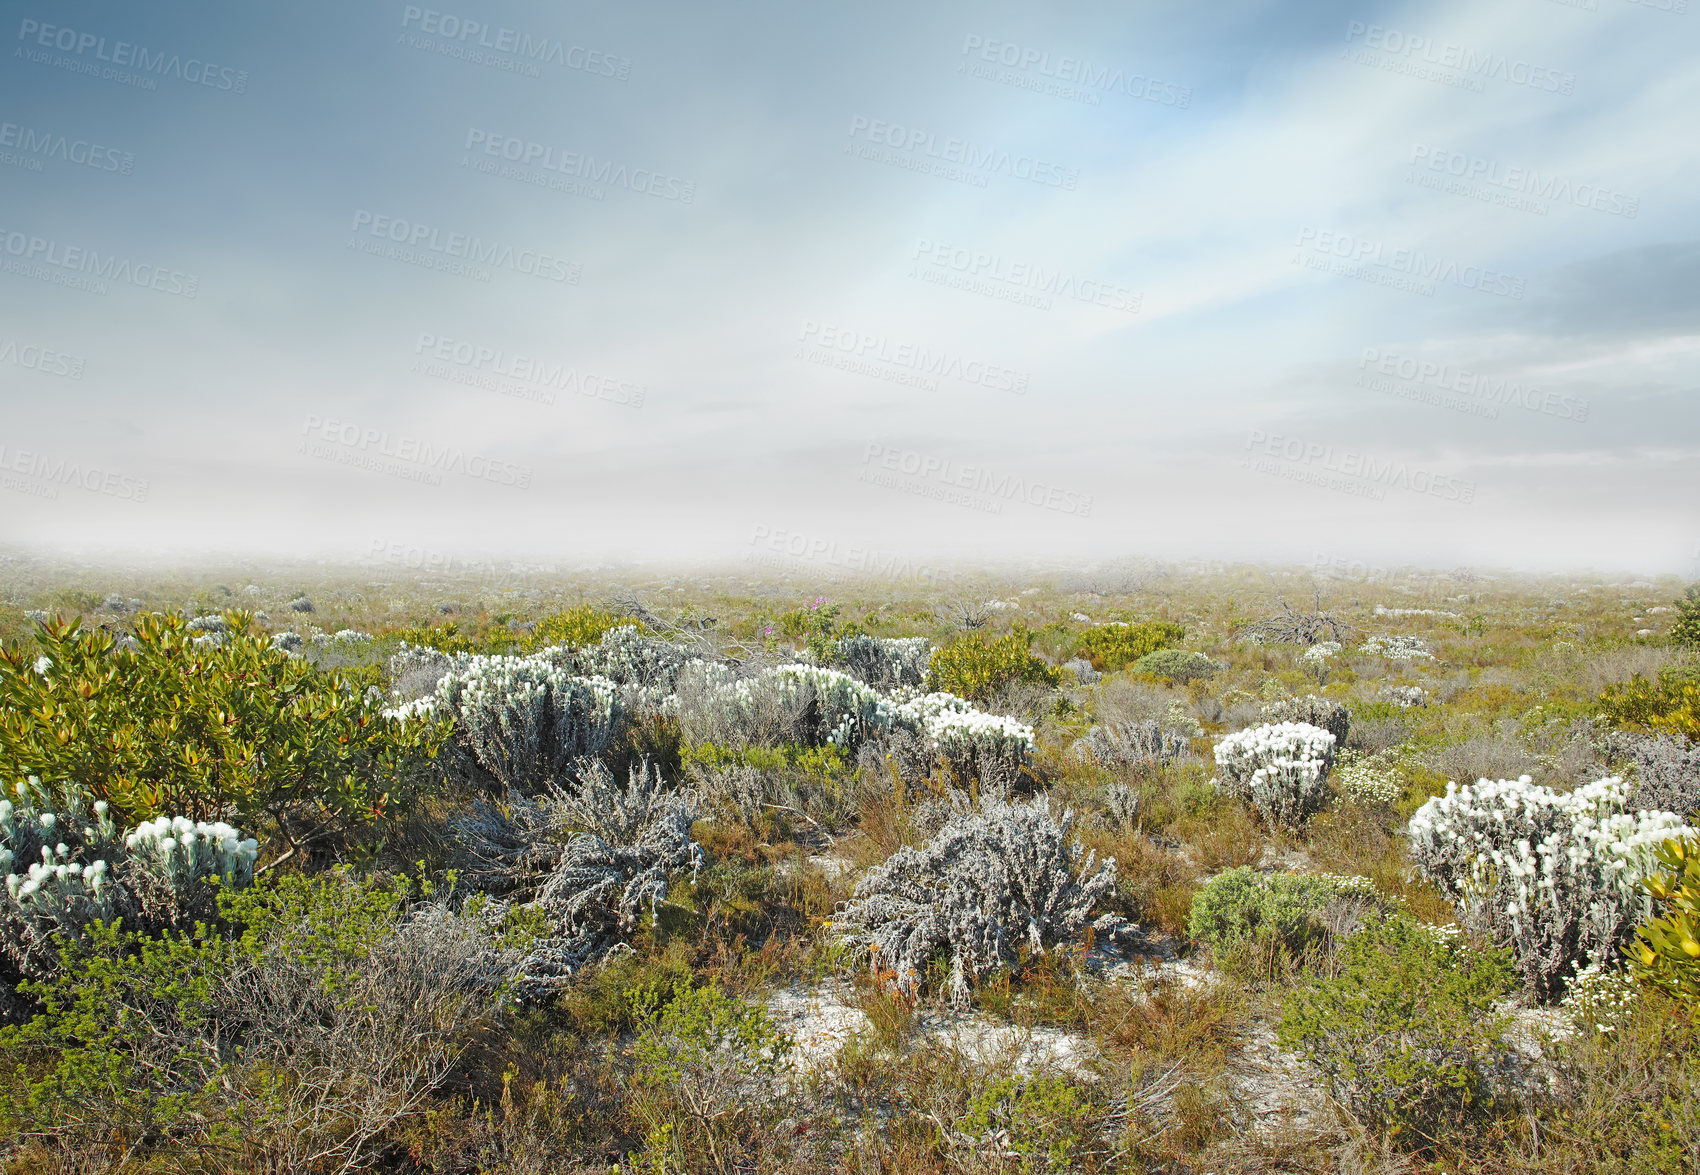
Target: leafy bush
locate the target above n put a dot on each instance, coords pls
(1241, 904)
(1667, 950)
(163, 725)
(1670, 705)
(1035, 1123)
(1405, 1030)
(1282, 769)
(708, 1067)
(1330, 716)
(292, 1036)
(994, 879)
(1686, 629)
(576, 627)
(1177, 665)
(1554, 876)
(1132, 746)
(977, 667)
(1115, 646)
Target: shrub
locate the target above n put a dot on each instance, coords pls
(1553, 876)
(1667, 951)
(993, 880)
(977, 666)
(1667, 771)
(164, 726)
(1177, 665)
(1330, 716)
(1405, 1030)
(1042, 1123)
(293, 1039)
(1397, 647)
(971, 743)
(1241, 904)
(577, 866)
(788, 704)
(1115, 646)
(1686, 629)
(576, 627)
(627, 656)
(885, 663)
(1670, 705)
(1372, 779)
(1282, 769)
(519, 722)
(708, 1067)
(1132, 746)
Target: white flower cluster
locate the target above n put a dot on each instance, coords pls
(1282, 768)
(57, 883)
(1397, 647)
(1554, 874)
(1406, 695)
(288, 642)
(957, 731)
(1373, 779)
(175, 846)
(1600, 997)
(1381, 610)
(343, 637)
(1320, 652)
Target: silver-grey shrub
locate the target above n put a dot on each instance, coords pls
(785, 704)
(1313, 711)
(885, 662)
(625, 656)
(994, 878)
(588, 856)
(520, 722)
(1139, 747)
(1667, 771)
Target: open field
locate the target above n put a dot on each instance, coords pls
(514, 872)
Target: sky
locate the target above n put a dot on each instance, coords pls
(853, 286)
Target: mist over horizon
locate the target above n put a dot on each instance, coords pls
(1368, 284)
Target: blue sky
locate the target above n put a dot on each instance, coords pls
(992, 281)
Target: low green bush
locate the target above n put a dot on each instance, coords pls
(1404, 1030)
(976, 666)
(1180, 665)
(1115, 646)
(1241, 904)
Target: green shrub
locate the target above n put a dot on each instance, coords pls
(1667, 949)
(1043, 1123)
(444, 638)
(1670, 705)
(1177, 665)
(170, 726)
(1115, 646)
(1686, 630)
(1405, 1030)
(977, 667)
(814, 761)
(579, 627)
(1240, 904)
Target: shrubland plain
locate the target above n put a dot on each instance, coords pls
(1148, 867)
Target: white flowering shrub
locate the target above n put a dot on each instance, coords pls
(1406, 696)
(1371, 779)
(521, 721)
(65, 865)
(587, 856)
(885, 662)
(290, 642)
(1132, 746)
(1555, 876)
(969, 741)
(993, 879)
(625, 656)
(1397, 648)
(1330, 716)
(1320, 653)
(1281, 768)
(799, 704)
